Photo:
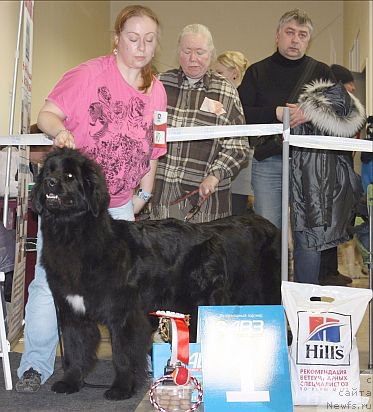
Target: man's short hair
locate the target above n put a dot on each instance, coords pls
(300, 18)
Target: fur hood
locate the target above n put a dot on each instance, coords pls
(331, 108)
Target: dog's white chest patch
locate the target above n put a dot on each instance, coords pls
(77, 303)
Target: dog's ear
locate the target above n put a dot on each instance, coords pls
(37, 195)
(95, 189)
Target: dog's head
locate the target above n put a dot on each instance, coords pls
(70, 184)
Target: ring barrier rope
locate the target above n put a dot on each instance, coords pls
(178, 134)
(174, 134)
(331, 143)
(38, 139)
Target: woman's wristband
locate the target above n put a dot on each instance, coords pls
(145, 196)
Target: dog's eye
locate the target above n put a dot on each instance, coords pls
(69, 176)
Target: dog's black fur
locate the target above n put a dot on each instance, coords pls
(116, 272)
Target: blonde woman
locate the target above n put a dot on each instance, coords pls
(232, 65)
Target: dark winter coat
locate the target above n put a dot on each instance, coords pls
(324, 189)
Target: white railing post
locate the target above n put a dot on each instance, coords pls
(285, 197)
(11, 117)
(4, 344)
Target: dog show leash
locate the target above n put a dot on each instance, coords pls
(195, 209)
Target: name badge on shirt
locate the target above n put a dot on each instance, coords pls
(160, 129)
(212, 106)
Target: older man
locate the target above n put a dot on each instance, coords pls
(199, 172)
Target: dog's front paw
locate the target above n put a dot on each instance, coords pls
(65, 387)
(117, 394)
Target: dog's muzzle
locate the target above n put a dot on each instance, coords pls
(52, 200)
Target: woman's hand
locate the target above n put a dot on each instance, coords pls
(138, 204)
(296, 114)
(51, 121)
(64, 138)
(208, 186)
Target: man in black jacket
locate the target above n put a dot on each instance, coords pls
(265, 91)
(267, 87)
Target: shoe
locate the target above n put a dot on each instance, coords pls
(346, 279)
(335, 279)
(29, 382)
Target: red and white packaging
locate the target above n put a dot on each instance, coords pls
(324, 358)
(160, 129)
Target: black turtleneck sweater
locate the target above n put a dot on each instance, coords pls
(270, 82)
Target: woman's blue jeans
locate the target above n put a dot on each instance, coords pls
(40, 334)
(266, 180)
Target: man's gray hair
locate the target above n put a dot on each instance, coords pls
(299, 16)
(197, 28)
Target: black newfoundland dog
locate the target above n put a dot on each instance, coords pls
(115, 272)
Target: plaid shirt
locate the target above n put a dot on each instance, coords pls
(187, 163)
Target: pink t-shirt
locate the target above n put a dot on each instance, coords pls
(111, 122)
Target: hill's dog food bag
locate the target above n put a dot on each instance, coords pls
(324, 359)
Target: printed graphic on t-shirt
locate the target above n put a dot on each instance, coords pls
(121, 139)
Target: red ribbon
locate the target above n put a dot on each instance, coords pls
(182, 341)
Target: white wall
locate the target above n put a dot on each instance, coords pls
(248, 26)
(66, 33)
(359, 23)
(8, 36)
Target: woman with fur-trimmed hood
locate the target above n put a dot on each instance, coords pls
(324, 188)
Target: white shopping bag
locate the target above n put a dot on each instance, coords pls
(324, 359)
